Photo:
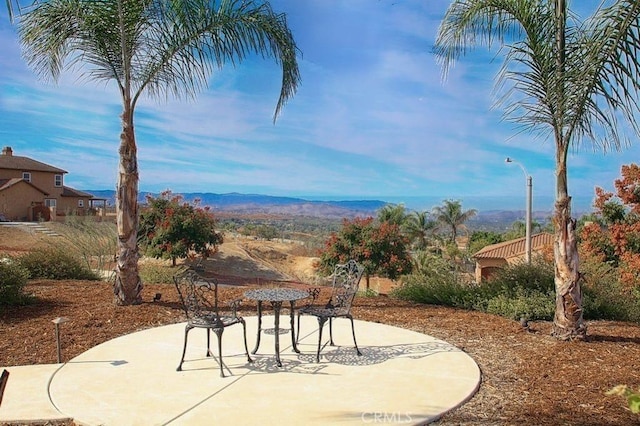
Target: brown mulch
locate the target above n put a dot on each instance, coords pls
(527, 376)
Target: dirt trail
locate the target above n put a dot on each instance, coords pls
(254, 261)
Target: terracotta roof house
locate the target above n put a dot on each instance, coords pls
(497, 256)
(31, 190)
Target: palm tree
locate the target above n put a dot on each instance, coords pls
(572, 80)
(420, 229)
(451, 216)
(160, 48)
(392, 213)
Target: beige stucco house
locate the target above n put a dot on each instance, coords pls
(31, 190)
(497, 256)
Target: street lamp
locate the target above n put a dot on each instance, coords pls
(527, 247)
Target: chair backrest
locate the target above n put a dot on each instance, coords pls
(346, 281)
(199, 296)
(4, 377)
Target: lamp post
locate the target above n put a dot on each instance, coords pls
(527, 247)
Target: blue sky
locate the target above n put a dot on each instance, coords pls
(372, 118)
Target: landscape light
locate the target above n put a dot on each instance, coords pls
(57, 322)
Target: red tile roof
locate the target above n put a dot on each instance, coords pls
(509, 249)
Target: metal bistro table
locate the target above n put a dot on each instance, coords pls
(276, 296)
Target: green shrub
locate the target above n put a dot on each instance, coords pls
(152, 273)
(512, 280)
(13, 278)
(54, 263)
(425, 289)
(605, 303)
(604, 296)
(532, 306)
(434, 282)
(521, 290)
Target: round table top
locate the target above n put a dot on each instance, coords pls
(276, 294)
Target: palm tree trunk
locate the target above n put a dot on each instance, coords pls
(128, 286)
(568, 323)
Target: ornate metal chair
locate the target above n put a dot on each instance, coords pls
(346, 279)
(199, 297)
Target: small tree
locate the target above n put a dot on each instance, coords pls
(380, 248)
(171, 228)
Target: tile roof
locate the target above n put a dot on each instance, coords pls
(26, 164)
(70, 192)
(512, 248)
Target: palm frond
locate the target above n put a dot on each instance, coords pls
(583, 92)
(159, 47)
(605, 79)
(203, 39)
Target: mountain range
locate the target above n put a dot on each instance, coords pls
(255, 204)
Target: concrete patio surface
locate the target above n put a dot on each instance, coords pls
(402, 377)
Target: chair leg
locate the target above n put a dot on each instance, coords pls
(209, 353)
(353, 331)
(298, 332)
(331, 332)
(4, 378)
(219, 332)
(184, 348)
(321, 321)
(246, 348)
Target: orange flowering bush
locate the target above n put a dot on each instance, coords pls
(380, 247)
(613, 236)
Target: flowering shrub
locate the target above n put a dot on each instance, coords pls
(171, 228)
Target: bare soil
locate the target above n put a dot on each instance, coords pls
(528, 377)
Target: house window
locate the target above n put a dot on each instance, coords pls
(26, 176)
(50, 202)
(58, 181)
(80, 203)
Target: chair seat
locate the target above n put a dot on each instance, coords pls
(212, 320)
(322, 311)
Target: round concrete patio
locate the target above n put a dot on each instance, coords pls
(402, 377)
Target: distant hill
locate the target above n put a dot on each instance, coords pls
(254, 204)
